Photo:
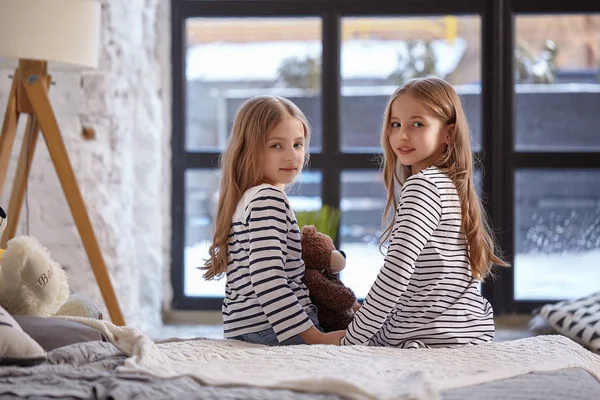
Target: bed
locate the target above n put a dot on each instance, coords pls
(126, 364)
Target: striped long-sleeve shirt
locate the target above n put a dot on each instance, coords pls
(264, 273)
(424, 295)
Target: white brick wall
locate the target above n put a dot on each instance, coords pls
(124, 174)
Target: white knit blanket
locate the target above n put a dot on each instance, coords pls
(354, 371)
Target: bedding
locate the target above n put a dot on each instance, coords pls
(90, 370)
(348, 372)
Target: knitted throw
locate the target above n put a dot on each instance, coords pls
(354, 371)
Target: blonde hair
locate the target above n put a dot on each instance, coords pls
(242, 166)
(456, 161)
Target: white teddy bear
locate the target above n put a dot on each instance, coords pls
(33, 284)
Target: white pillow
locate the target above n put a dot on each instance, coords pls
(16, 346)
(577, 319)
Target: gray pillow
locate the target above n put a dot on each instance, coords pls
(16, 346)
(52, 333)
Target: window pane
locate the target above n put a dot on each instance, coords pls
(557, 233)
(201, 197)
(229, 60)
(557, 85)
(363, 200)
(397, 49)
(305, 193)
(478, 182)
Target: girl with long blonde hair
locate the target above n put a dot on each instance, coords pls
(440, 244)
(256, 242)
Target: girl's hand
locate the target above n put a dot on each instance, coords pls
(336, 337)
(315, 336)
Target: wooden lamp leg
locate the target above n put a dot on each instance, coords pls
(20, 181)
(9, 130)
(38, 98)
(22, 175)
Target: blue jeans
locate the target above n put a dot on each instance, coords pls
(269, 337)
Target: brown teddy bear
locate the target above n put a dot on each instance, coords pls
(335, 302)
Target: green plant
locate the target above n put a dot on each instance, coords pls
(531, 68)
(418, 61)
(325, 220)
(300, 73)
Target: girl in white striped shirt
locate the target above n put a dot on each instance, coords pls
(257, 240)
(440, 247)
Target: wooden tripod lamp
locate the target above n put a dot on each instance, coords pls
(37, 35)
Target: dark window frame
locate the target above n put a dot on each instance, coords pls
(499, 158)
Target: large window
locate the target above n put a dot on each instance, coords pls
(556, 202)
(529, 84)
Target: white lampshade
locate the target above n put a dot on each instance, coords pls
(65, 33)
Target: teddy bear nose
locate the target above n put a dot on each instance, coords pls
(2, 213)
(344, 254)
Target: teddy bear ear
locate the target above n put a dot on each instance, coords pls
(309, 229)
